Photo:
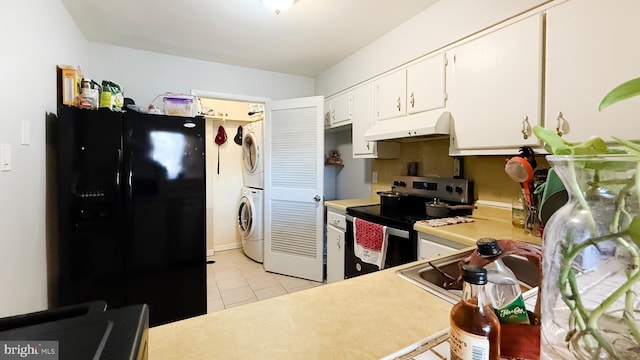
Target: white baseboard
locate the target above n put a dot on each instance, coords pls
(228, 247)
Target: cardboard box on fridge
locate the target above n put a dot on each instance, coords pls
(69, 80)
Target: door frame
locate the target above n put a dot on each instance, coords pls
(230, 97)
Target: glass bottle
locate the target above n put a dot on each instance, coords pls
(475, 329)
(503, 287)
(518, 212)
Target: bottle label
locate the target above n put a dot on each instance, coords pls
(467, 346)
(514, 313)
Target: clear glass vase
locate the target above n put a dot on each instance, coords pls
(591, 263)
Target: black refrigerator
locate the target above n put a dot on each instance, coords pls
(131, 211)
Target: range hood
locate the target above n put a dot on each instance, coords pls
(424, 124)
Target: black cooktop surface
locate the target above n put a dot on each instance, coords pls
(403, 218)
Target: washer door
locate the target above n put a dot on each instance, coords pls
(250, 152)
(245, 216)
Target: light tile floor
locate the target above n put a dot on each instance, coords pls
(234, 279)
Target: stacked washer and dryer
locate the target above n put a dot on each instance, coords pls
(250, 215)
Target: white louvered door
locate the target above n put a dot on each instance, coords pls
(293, 211)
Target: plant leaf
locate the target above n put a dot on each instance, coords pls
(634, 230)
(623, 91)
(629, 144)
(556, 145)
(553, 143)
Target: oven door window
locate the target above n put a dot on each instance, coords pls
(400, 250)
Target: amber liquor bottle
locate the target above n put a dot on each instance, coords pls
(475, 329)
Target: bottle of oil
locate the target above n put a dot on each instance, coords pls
(503, 288)
(475, 329)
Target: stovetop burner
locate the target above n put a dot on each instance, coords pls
(420, 190)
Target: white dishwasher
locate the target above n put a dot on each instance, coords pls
(430, 246)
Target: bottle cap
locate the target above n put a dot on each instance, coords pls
(474, 274)
(488, 247)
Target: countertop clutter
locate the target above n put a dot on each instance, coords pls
(488, 221)
(366, 317)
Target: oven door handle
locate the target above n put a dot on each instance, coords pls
(404, 234)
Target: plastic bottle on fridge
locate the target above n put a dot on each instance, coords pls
(503, 287)
(475, 329)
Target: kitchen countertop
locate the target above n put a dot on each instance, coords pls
(488, 221)
(367, 317)
(468, 233)
(342, 205)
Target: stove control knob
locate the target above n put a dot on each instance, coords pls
(459, 189)
(402, 183)
(449, 188)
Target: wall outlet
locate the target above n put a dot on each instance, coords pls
(374, 177)
(457, 168)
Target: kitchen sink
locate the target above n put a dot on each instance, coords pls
(430, 279)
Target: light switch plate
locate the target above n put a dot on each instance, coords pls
(374, 177)
(5, 157)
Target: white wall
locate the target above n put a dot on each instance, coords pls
(223, 189)
(440, 25)
(144, 75)
(354, 179)
(351, 181)
(35, 36)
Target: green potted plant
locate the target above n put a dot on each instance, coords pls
(591, 261)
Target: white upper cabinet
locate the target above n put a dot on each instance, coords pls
(592, 47)
(338, 110)
(426, 84)
(417, 88)
(362, 117)
(391, 95)
(496, 90)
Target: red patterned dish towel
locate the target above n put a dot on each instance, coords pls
(370, 242)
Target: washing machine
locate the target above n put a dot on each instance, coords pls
(250, 222)
(253, 155)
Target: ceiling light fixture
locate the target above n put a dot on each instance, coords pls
(278, 6)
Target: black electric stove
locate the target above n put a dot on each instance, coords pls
(420, 190)
(402, 243)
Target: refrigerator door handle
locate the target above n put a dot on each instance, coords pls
(118, 165)
(130, 178)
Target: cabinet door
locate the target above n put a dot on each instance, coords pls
(340, 109)
(391, 94)
(361, 119)
(327, 113)
(497, 87)
(335, 254)
(587, 56)
(430, 246)
(426, 84)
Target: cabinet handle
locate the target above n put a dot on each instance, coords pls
(333, 115)
(399, 107)
(413, 100)
(526, 128)
(338, 241)
(368, 148)
(561, 121)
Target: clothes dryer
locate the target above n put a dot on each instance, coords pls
(253, 155)
(250, 222)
